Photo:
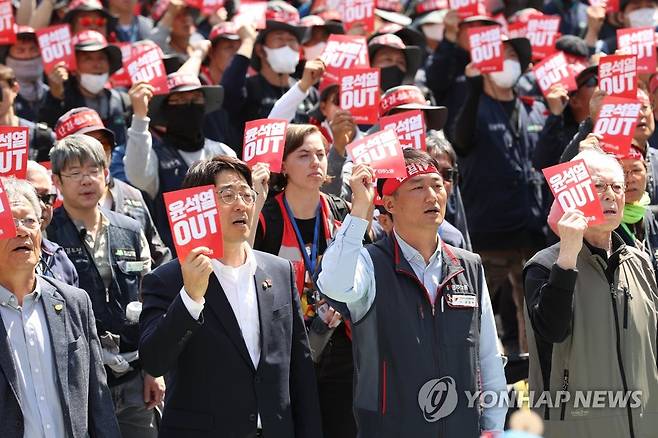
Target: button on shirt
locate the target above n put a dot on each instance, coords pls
(32, 354)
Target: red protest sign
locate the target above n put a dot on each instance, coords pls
(359, 93)
(431, 5)
(346, 51)
(572, 187)
(517, 30)
(618, 75)
(194, 220)
(264, 140)
(616, 124)
(465, 8)
(358, 11)
(55, 45)
(7, 227)
(486, 48)
(13, 151)
(121, 78)
(252, 13)
(7, 23)
(609, 5)
(409, 126)
(641, 43)
(148, 67)
(554, 70)
(543, 31)
(382, 150)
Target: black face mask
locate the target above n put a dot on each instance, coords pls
(391, 77)
(184, 126)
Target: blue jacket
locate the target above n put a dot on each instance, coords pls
(56, 264)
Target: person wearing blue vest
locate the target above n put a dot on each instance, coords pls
(110, 253)
(423, 331)
(157, 164)
(495, 136)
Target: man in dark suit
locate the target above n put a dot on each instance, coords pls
(229, 332)
(52, 381)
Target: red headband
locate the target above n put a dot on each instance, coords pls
(413, 169)
(634, 153)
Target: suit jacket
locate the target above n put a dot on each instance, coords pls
(86, 402)
(213, 389)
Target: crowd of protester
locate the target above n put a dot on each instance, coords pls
(339, 297)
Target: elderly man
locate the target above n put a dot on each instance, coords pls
(52, 381)
(591, 318)
(54, 261)
(423, 329)
(111, 254)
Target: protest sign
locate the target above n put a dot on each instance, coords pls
(147, 66)
(359, 94)
(7, 23)
(616, 124)
(409, 126)
(486, 48)
(640, 42)
(264, 140)
(543, 31)
(346, 51)
(55, 46)
(618, 75)
(382, 151)
(554, 70)
(13, 151)
(358, 11)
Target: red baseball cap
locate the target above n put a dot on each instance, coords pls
(411, 97)
(81, 120)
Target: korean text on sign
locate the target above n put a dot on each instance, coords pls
(55, 45)
(194, 220)
(573, 188)
(616, 124)
(409, 126)
(148, 67)
(486, 48)
(542, 31)
(618, 75)
(7, 23)
(639, 42)
(346, 51)
(382, 151)
(264, 141)
(554, 70)
(359, 94)
(13, 151)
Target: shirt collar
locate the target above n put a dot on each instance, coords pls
(7, 297)
(412, 255)
(249, 264)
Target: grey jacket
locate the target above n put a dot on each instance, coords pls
(84, 395)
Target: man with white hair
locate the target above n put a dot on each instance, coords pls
(591, 318)
(52, 381)
(54, 261)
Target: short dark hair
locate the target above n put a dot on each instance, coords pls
(437, 143)
(411, 156)
(204, 172)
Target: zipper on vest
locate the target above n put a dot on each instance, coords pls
(565, 387)
(620, 361)
(627, 298)
(107, 295)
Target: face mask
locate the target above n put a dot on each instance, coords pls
(391, 77)
(643, 17)
(28, 70)
(184, 126)
(282, 60)
(510, 74)
(93, 83)
(314, 52)
(433, 31)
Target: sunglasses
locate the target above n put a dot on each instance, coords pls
(449, 174)
(48, 198)
(88, 21)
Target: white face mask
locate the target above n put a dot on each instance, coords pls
(433, 31)
(282, 60)
(93, 83)
(314, 52)
(510, 74)
(643, 17)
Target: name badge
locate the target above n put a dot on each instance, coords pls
(462, 300)
(126, 266)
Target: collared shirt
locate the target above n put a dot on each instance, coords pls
(34, 361)
(348, 276)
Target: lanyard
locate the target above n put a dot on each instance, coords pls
(312, 261)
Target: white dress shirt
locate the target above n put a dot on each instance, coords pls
(34, 361)
(348, 276)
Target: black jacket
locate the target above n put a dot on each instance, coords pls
(213, 389)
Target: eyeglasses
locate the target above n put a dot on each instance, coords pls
(617, 188)
(228, 196)
(48, 198)
(449, 174)
(27, 222)
(88, 21)
(77, 176)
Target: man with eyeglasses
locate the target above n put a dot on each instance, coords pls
(52, 383)
(111, 254)
(54, 261)
(591, 314)
(229, 332)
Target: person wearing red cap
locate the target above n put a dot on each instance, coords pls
(318, 34)
(422, 326)
(398, 63)
(225, 40)
(89, 15)
(96, 60)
